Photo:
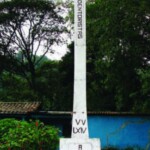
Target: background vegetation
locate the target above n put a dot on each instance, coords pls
(118, 55)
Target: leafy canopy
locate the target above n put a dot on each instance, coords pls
(27, 27)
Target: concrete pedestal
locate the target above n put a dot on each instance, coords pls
(80, 144)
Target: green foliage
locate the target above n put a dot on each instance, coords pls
(27, 27)
(118, 50)
(18, 135)
(55, 83)
(48, 84)
(15, 88)
(118, 44)
(53, 79)
(67, 77)
(144, 77)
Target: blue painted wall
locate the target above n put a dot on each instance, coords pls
(117, 131)
(120, 131)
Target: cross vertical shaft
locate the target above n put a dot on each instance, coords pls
(79, 121)
(80, 136)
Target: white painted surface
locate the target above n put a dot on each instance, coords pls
(80, 135)
(79, 121)
(80, 22)
(79, 144)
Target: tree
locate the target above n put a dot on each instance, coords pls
(27, 27)
(144, 76)
(55, 83)
(15, 88)
(48, 85)
(66, 79)
(118, 43)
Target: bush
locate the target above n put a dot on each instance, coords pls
(23, 135)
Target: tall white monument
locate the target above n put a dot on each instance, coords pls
(80, 136)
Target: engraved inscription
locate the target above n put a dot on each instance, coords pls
(80, 147)
(79, 130)
(85, 144)
(80, 121)
(79, 18)
(80, 126)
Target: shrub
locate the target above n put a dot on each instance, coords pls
(23, 135)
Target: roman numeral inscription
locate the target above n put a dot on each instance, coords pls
(79, 130)
(80, 123)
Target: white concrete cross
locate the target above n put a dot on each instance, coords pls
(80, 136)
(79, 122)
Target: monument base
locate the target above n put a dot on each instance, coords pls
(79, 144)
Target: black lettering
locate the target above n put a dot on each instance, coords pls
(83, 131)
(79, 18)
(80, 120)
(80, 147)
(79, 1)
(76, 130)
(83, 122)
(77, 121)
(79, 25)
(79, 9)
(79, 35)
(79, 130)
